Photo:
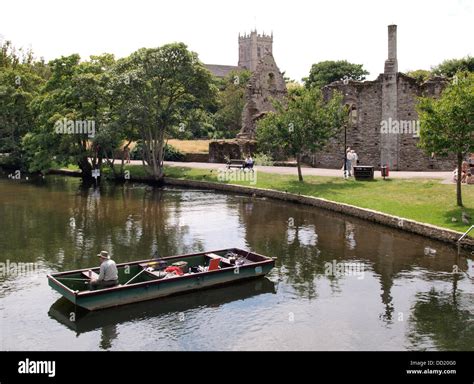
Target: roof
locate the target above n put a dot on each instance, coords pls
(221, 70)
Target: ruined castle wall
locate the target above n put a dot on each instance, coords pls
(411, 157)
(365, 135)
(362, 135)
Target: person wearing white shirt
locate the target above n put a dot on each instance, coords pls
(354, 158)
(108, 276)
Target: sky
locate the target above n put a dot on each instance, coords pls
(305, 31)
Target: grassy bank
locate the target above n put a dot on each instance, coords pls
(426, 201)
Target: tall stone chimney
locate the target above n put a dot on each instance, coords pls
(390, 142)
(391, 64)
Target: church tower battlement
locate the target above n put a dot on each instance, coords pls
(252, 48)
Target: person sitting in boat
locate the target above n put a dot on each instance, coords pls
(108, 276)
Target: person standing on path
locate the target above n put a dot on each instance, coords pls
(348, 165)
(354, 159)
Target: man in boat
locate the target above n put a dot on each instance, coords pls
(108, 276)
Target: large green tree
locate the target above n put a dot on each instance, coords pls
(76, 92)
(304, 123)
(159, 88)
(325, 72)
(20, 80)
(447, 123)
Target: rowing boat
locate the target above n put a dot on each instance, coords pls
(147, 279)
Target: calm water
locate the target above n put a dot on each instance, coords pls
(405, 296)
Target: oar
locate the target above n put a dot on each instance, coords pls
(70, 278)
(134, 277)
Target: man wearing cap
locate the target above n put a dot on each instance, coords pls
(108, 276)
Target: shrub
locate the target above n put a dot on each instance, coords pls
(262, 159)
(171, 153)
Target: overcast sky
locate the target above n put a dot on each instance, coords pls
(305, 31)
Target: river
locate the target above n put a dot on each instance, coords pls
(339, 283)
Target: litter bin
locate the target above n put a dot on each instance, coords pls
(385, 171)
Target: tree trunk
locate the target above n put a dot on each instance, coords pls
(85, 168)
(125, 150)
(298, 163)
(458, 182)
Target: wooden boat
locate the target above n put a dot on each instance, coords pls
(146, 279)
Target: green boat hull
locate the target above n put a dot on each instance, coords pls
(154, 289)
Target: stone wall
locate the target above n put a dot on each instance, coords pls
(221, 150)
(364, 134)
(196, 157)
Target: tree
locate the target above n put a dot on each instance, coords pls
(231, 102)
(20, 81)
(447, 123)
(158, 89)
(325, 72)
(450, 67)
(70, 111)
(304, 124)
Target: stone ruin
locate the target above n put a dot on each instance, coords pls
(266, 85)
(220, 151)
(390, 100)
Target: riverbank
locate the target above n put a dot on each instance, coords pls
(423, 206)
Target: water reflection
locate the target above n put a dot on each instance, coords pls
(443, 319)
(82, 321)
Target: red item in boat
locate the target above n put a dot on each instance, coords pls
(178, 270)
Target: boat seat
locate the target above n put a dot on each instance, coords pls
(94, 275)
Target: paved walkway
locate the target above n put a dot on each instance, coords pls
(445, 176)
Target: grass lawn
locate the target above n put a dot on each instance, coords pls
(190, 146)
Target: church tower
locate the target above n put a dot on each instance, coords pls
(252, 48)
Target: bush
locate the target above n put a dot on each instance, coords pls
(171, 153)
(137, 152)
(262, 159)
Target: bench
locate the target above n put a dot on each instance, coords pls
(234, 163)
